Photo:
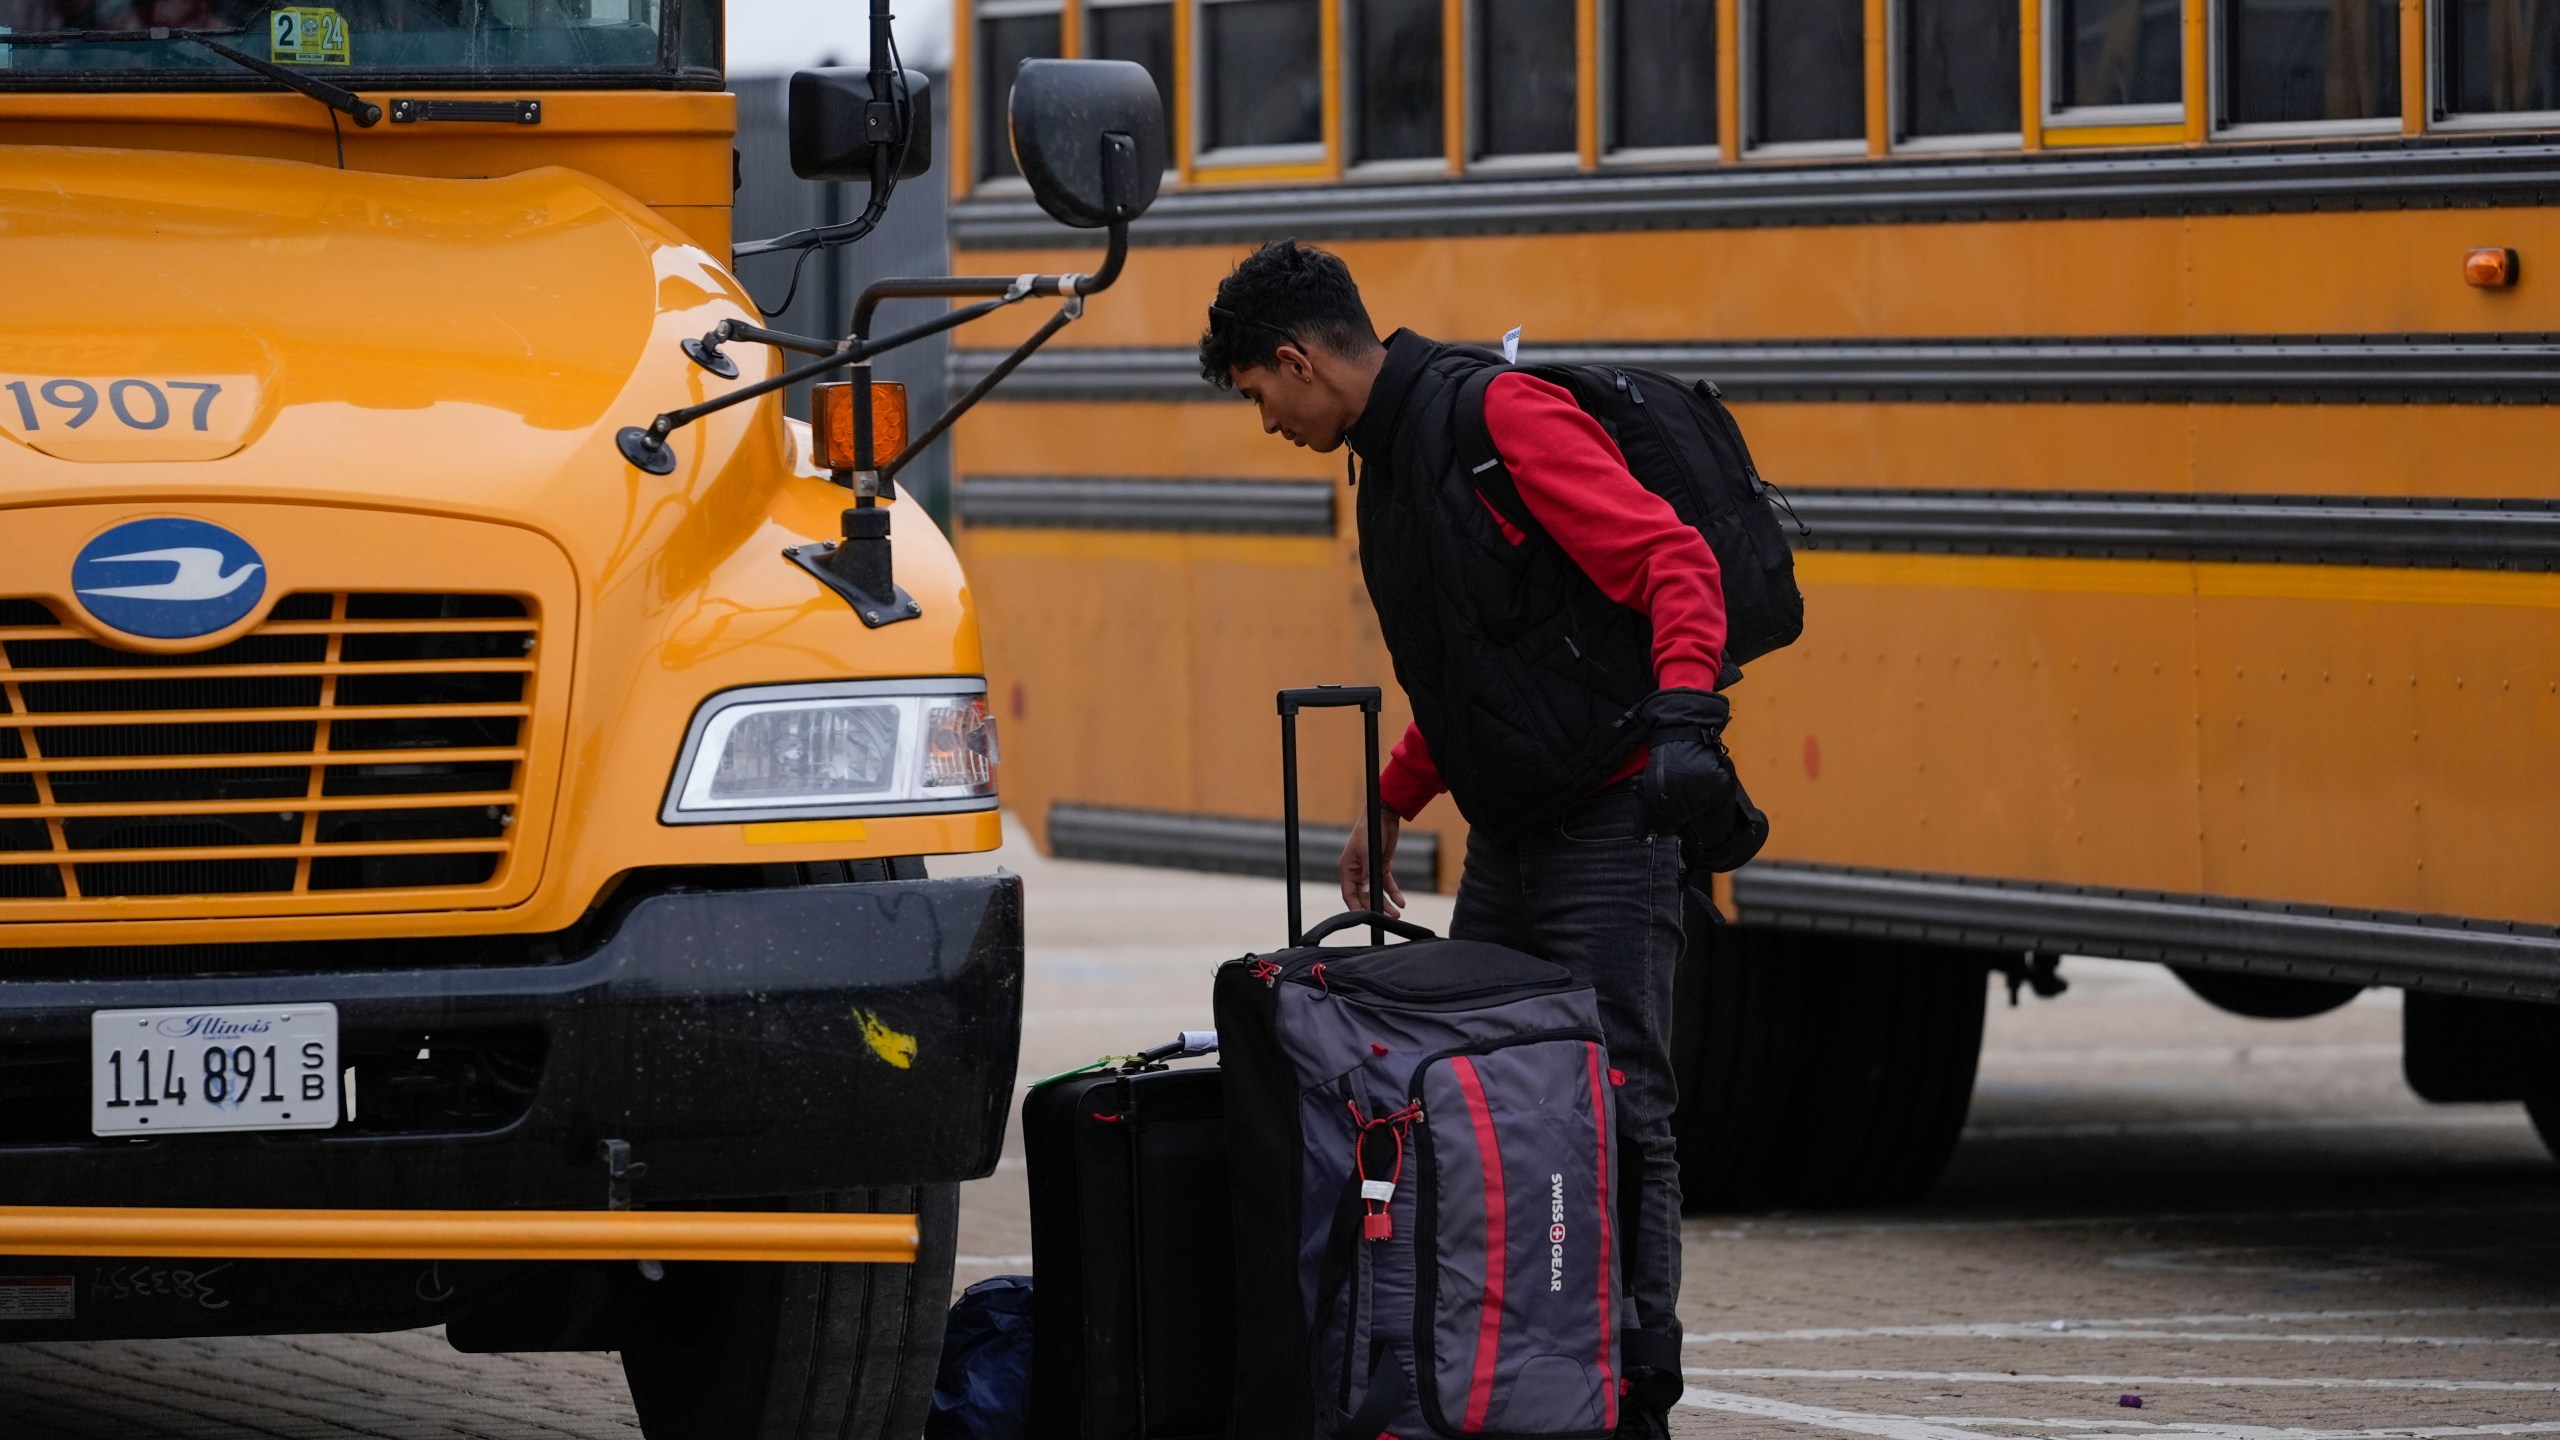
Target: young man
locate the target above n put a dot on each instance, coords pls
(1562, 664)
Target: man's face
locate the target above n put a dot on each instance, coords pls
(1293, 401)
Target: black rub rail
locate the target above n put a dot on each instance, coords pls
(2264, 179)
(2234, 370)
(2373, 947)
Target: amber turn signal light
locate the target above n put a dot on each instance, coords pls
(2491, 268)
(831, 423)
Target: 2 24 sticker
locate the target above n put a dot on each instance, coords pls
(307, 35)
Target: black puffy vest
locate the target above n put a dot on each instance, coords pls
(1523, 675)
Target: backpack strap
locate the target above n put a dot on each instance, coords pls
(1483, 463)
(1389, 1388)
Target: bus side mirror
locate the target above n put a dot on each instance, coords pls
(1089, 136)
(836, 126)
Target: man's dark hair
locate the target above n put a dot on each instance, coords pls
(1284, 293)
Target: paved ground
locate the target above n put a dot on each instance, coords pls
(2252, 1227)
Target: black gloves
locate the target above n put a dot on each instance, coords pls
(1689, 788)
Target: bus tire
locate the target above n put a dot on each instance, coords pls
(1821, 1070)
(762, 1351)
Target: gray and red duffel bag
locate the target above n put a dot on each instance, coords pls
(1423, 1161)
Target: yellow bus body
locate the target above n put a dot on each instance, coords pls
(2354, 735)
(476, 317)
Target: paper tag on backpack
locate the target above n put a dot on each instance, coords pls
(1379, 1190)
(1511, 346)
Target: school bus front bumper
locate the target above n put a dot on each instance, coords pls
(714, 1046)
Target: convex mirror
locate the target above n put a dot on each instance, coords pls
(1089, 136)
(836, 126)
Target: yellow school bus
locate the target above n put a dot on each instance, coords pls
(2163, 387)
(466, 761)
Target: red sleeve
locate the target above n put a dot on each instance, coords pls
(1410, 779)
(1625, 537)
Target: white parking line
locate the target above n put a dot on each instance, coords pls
(1784, 1228)
(1973, 1427)
(2120, 1429)
(2255, 1125)
(2183, 1055)
(2123, 1327)
(1891, 1427)
(2121, 1382)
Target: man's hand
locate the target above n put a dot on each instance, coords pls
(1355, 866)
(1687, 775)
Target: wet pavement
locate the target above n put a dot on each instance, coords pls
(2250, 1227)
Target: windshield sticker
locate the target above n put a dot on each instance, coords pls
(307, 35)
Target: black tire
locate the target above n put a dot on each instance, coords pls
(1821, 1070)
(798, 1352)
(2267, 997)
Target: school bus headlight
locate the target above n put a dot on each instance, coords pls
(839, 749)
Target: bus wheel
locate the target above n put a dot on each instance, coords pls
(1820, 1069)
(797, 1352)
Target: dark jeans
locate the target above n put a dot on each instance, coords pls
(1600, 894)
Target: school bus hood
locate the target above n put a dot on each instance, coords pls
(312, 332)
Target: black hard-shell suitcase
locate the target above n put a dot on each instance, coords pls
(1132, 1232)
(1133, 1305)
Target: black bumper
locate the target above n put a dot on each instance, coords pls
(745, 1044)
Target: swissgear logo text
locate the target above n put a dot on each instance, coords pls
(1555, 1232)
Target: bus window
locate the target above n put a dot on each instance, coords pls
(1139, 30)
(1661, 84)
(1526, 69)
(2308, 62)
(1805, 75)
(1009, 32)
(2501, 58)
(1957, 81)
(1395, 81)
(2113, 61)
(1261, 73)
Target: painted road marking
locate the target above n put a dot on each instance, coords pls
(1793, 1229)
(2147, 1429)
(2072, 1323)
(1891, 1427)
(1971, 1427)
(2109, 1332)
(2265, 1125)
(2183, 1055)
(2121, 1382)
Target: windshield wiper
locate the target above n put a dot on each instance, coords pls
(364, 112)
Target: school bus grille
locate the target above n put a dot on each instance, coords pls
(351, 742)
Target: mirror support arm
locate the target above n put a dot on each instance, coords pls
(646, 447)
(1068, 312)
(1074, 287)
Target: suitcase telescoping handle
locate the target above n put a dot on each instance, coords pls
(1330, 697)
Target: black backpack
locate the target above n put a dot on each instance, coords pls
(1683, 445)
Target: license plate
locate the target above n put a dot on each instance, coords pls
(237, 1067)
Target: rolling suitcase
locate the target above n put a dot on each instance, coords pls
(1133, 1301)
(1422, 1139)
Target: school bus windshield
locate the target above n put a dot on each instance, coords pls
(82, 44)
